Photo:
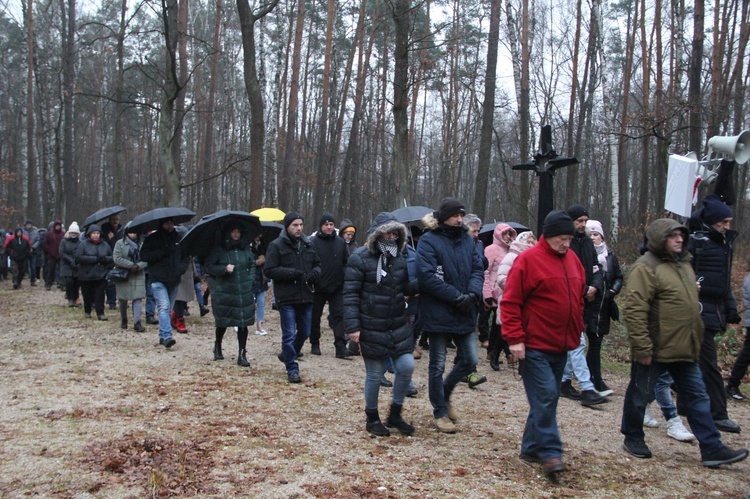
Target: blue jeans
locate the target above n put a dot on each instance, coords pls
(295, 329)
(440, 390)
(260, 307)
(577, 365)
(403, 366)
(198, 294)
(541, 373)
(164, 296)
(690, 389)
(663, 394)
(150, 302)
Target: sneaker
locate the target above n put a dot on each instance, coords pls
(734, 393)
(637, 448)
(727, 425)
(603, 389)
(650, 421)
(677, 430)
(568, 391)
(476, 379)
(293, 377)
(445, 425)
(261, 332)
(592, 397)
(724, 456)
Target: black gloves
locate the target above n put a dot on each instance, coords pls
(311, 277)
(465, 303)
(298, 274)
(733, 317)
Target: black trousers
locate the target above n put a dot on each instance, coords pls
(93, 295)
(336, 311)
(71, 288)
(712, 377)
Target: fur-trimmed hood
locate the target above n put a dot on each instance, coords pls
(430, 222)
(383, 224)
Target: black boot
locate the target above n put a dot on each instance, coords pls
(217, 351)
(495, 359)
(395, 421)
(204, 310)
(241, 360)
(374, 426)
(123, 314)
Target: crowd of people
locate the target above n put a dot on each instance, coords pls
(544, 303)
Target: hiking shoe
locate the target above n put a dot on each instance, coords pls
(592, 397)
(727, 425)
(677, 430)
(734, 393)
(650, 421)
(138, 327)
(412, 392)
(724, 456)
(315, 349)
(553, 465)
(151, 320)
(293, 377)
(637, 448)
(169, 343)
(568, 391)
(452, 414)
(385, 382)
(476, 379)
(445, 425)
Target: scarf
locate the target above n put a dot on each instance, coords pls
(601, 254)
(387, 247)
(133, 252)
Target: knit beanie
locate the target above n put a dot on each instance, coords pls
(448, 208)
(595, 226)
(93, 228)
(74, 229)
(327, 217)
(577, 211)
(558, 223)
(714, 210)
(291, 217)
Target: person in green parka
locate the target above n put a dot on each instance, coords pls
(231, 275)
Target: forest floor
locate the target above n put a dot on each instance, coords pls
(90, 410)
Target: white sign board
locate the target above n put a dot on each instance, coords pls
(681, 178)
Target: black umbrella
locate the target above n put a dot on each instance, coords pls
(270, 231)
(152, 220)
(411, 213)
(487, 230)
(210, 229)
(102, 214)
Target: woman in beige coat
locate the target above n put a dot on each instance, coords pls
(126, 254)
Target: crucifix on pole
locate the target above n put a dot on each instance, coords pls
(549, 158)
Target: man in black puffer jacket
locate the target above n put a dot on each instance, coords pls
(333, 254)
(293, 265)
(711, 246)
(166, 264)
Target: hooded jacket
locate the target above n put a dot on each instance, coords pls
(542, 303)
(448, 265)
(494, 253)
(18, 246)
(294, 267)
(333, 254)
(232, 294)
(68, 266)
(378, 310)
(51, 242)
(516, 248)
(352, 245)
(660, 305)
(126, 254)
(712, 262)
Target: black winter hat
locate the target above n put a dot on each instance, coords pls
(93, 228)
(291, 217)
(714, 210)
(576, 211)
(558, 223)
(448, 208)
(327, 217)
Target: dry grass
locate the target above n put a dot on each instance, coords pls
(90, 410)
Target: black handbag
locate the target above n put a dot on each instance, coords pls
(118, 274)
(614, 311)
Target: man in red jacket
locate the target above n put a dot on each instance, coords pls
(542, 316)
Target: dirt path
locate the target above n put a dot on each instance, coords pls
(89, 410)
